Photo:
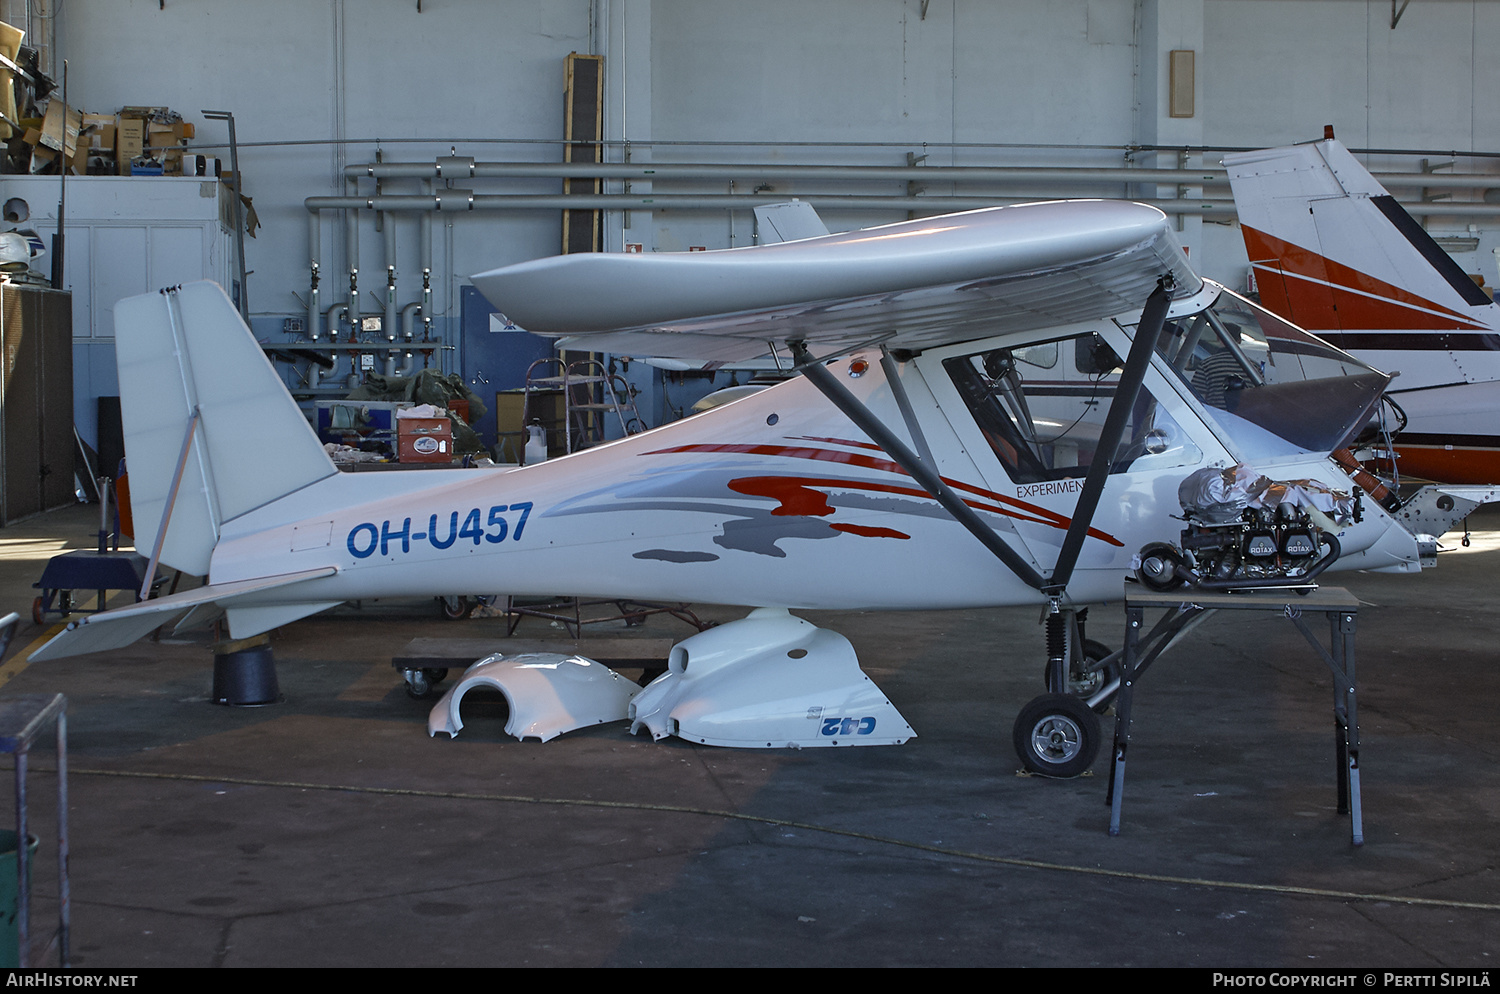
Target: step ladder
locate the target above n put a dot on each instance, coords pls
(589, 394)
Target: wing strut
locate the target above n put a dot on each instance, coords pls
(925, 473)
(1126, 391)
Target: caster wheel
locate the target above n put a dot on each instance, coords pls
(455, 608)
(417, 684)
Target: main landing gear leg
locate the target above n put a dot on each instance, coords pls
(1058, 733)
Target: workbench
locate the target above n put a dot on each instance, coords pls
(1185, 608)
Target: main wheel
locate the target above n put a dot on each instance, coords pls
(1056, 735)
(1158, 568)
(1086, 684)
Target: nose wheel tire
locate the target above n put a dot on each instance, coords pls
(1057, 735)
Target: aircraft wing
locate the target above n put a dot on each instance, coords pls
(118, 628)
(916, 284)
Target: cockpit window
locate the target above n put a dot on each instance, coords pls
(1272, 387)
(1043, 422)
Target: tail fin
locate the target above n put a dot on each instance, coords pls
(1333, 251)
(183, 351)
(788, 222)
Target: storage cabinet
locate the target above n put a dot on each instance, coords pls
(36, 400)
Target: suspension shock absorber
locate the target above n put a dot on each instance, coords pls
(1057, 647)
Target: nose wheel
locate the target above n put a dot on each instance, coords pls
(1057, 735)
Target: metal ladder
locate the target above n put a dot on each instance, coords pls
(589, 393)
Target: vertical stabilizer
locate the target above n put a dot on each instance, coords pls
(789, 222)
(184, 351)
(1333, 252)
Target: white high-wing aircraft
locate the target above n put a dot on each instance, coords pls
(1334, 253)
(964, 434)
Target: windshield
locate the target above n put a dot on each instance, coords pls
(1273, 388)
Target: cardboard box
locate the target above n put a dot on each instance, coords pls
(170, 134)
(100, 129)
(424, 440)
(60, 128)
(130, 141)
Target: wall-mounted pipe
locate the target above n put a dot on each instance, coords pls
(331, 315)
(389, 321)
(351, 239)
(925, 204)
(932, 203)
(407, 313)
(424, 239)
(314, 253)
(1003, 175)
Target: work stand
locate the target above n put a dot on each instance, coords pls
(22, 719)
(1187, 607)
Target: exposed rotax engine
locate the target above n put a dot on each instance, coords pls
(1245, 530)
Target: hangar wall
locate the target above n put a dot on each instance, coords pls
(318, 85)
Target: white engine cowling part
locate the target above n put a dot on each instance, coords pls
(768, 681)
(548, 693)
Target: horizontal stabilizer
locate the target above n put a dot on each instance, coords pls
(118, 628)
(1435, 510)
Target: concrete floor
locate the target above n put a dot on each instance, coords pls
(329, 830)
